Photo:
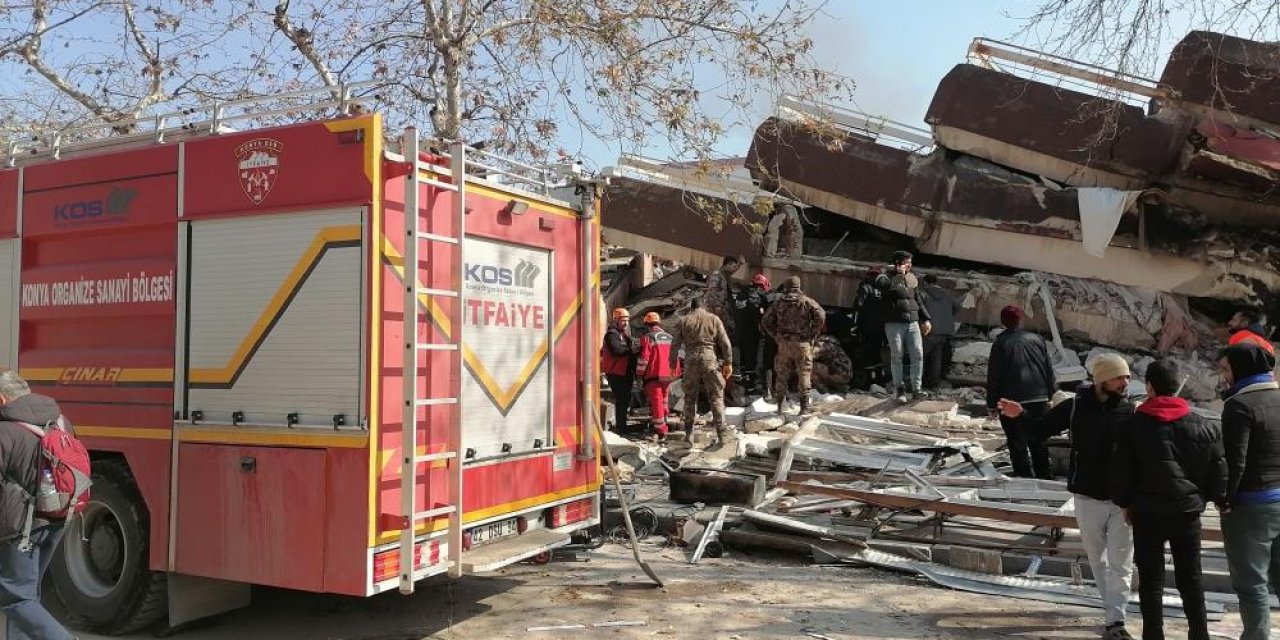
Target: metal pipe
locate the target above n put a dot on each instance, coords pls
(586, 443)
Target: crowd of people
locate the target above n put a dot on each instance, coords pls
(1141, 474)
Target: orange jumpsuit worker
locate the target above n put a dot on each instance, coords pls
(655, 370)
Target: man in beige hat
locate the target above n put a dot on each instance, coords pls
(1092, 417)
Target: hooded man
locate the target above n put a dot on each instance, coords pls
(655, 371)
(708, 362)
(868, 312)
(1020, 370)
(906, 322)
(793, 322)
(1092, 418)
(1247, 326)
(1251, 513)
(943, 307)
(618, 360)
(22, 570)
(1168, 464)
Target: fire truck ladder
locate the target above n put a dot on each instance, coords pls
(414, 291)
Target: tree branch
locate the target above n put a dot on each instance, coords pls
(304, 41)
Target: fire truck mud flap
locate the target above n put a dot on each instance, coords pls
(100, 579)
(500, 554)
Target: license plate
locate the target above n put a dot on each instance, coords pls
(493, 531)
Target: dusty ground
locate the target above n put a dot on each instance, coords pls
(717, 599)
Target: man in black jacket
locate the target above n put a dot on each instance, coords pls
(906, 322)
(868, 312)
(1251, 514)
(1092, 418)
(1019, 370)
(21, 571)
(1167, 466)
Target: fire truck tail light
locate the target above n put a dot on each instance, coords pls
(571, 512)
(386, 564)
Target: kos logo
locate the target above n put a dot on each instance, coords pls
(115, 205)
(522, 276)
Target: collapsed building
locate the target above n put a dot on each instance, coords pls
(1123, 212)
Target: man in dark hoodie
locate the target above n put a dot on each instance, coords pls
(1251, 513)
(1168, 464)
(1092, 418)
(1019, 370)
(21, 571)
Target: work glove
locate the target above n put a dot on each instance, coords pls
(926, 328)
(726, 370)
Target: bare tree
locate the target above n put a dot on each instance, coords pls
(507, 73)
(1131, 36)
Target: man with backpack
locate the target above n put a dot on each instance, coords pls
(1092, 419)
(31, 427)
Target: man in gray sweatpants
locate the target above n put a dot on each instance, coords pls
(1092, 418)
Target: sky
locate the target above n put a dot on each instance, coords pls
(895, 50)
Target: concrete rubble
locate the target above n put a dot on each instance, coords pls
(1142, 243)
(862, 481)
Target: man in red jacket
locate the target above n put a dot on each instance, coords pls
(655, 370)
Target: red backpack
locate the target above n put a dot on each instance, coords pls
(62, 478)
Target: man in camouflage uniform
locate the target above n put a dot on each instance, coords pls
(718, 300)
(794, 322)
(832, 368)
(708, 360)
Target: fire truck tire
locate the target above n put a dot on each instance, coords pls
(104, 585)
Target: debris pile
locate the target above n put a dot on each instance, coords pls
(865, 482)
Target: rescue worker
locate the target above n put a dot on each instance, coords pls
(718, 300)
(794, 322)
(618, 360)
(832, 367)
(868, 312)
(708, 361)
(1247, 326)
(655, 371)
(22, 570)
(749, 336)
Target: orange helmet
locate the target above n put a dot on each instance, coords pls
(761, 280)
(621, 313)
(652, 318)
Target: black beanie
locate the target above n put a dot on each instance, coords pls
(1247, 359)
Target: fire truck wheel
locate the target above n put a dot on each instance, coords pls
(101, 579)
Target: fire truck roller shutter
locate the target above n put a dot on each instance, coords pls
(8, 291)
(275, 318)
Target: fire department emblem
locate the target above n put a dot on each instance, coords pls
(259, 166)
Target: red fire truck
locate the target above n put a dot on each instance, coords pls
(286, 381)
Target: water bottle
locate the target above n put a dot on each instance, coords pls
(47, 498)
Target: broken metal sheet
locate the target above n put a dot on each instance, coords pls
(904, 498)
(1039, 589)
(710, 535)
(883, 430)
(791, 525)
(861, 457)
